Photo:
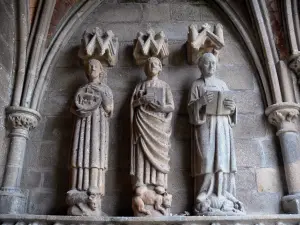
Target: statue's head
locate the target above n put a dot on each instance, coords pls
(93, 199)
(95, 70)
(208, 64)
(153, 67)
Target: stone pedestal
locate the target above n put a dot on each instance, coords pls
(12, 198)
(283, 116)
(13, 201)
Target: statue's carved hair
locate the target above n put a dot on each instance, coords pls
(205, 56)
(146, 67)
(102, 70)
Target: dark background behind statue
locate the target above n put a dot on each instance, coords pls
(46, 174)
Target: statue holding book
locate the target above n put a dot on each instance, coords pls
(213, 113)
(151, 113)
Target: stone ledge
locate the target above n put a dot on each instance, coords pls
(278, 219)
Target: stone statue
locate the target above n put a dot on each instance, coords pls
(212, 114)
(151, 113)
(93, 105)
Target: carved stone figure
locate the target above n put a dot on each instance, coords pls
(203, 40)
(151, 113)
(99, 45)
(150, 44)
(212, 114)
(93, 105)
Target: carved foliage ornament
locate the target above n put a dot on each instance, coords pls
(150, 44)
(23, 118)
(283, 116)
(99, 45)
(204, 41)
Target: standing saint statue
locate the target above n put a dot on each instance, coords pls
(93, 105)
(151, 113)
(212, 114)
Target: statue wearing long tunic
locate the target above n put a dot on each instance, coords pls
(151, 113)
(93, 105)
(213, 154)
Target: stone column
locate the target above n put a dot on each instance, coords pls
(12, 198)
(284, 116)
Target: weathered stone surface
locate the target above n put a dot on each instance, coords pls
(270, 155)
(177, 55)
(268, 180)
(180, 181)
(183, 199)
(118, 13)
(260, 203)
(248, 152)
(181, 78)
(248, 102)
(57, 103)
(31, 179)
(124, 79)
(181, 128)
(185, 12)
(113, 184)
(237, 77)
(53, 154)
(55, 129)
(254, 124)
(245, 180)
(156, 12)
(41, 202)
(180, 156)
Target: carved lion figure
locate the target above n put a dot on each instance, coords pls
(145, 196)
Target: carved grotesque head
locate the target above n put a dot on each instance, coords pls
(167, 200)
(95, 70)
(93, 199)
(152, 67)
(208, 64)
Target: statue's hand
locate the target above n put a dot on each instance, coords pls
(229, 103)
(146, 99)
(206, 98)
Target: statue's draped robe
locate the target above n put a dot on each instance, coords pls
(90, 143)
(212, 139)
(150, 142)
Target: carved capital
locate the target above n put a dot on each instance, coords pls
(23, 118)
(295, 64)
(283, 116)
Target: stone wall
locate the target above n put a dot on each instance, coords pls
(259, 183)
(7, 58)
